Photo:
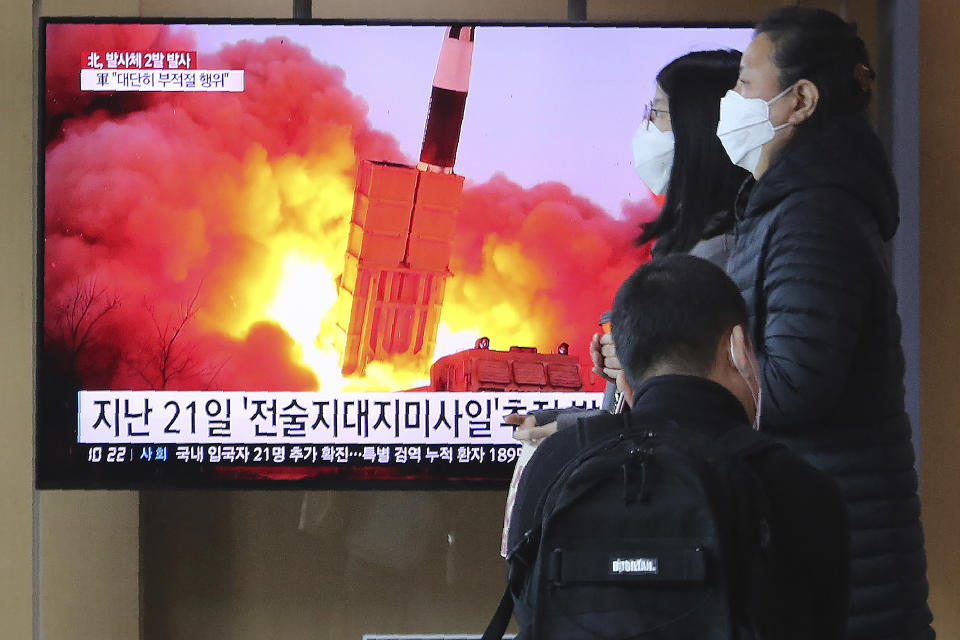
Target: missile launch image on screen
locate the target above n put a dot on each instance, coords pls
(360, 209)
(374, 200)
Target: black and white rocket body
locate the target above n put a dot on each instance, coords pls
(447, 101)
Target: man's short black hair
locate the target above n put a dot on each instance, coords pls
(670, 313)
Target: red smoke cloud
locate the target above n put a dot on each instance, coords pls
(170, 217)
(557, 258)
(169, 205)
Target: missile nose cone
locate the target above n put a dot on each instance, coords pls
(448, 100)
(456, 57)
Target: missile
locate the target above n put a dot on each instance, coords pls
(447, 101)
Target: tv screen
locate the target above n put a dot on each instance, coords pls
(329, 255)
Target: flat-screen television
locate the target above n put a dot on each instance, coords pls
(329, 254)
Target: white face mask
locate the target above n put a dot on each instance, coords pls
(755, 387)
(653, 156)
(745, 127)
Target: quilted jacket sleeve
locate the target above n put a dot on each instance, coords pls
(815, 290)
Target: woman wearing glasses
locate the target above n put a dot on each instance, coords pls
(677, 154)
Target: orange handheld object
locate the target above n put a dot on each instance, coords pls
(613, 400)
(605, 321)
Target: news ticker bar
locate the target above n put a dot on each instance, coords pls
(244, 417)
(293, 455)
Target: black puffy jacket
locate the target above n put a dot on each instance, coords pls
(810, 261)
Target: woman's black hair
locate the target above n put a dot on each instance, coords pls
(703, 182)
(819, 46)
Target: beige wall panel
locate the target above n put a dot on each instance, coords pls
(16, 320)
(217, 8)
(442, 9)
(940, 305)
(87, 543)
(89, 7)
(89, 565)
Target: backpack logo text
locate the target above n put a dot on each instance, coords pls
(635, 566)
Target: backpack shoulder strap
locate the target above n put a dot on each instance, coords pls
(501, 617)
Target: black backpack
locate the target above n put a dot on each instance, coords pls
(651, 532)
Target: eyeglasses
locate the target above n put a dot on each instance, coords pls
(650, 113)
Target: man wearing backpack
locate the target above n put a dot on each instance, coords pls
(677, 520)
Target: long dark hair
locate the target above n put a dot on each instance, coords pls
(703, 181)
(819, 46)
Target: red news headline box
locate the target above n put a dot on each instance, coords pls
(140, 60)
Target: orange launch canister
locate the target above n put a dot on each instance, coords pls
(398, 251)
(396, 265)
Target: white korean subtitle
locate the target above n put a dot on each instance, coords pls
(232, 417)
(230, 80)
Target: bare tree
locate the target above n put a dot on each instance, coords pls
(77, 318)
(171, 356)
